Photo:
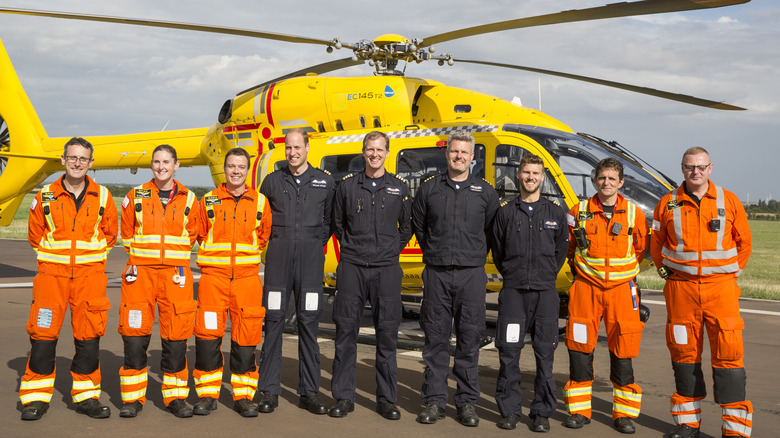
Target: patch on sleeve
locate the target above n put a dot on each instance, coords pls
(34, 204)
(570, 220)
(656, 225)
(143, 193)
(125, 202)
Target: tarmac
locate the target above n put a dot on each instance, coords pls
(652, 368)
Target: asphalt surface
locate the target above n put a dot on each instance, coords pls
(653, 373)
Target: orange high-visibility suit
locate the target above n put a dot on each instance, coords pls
(604, 288)
(159, 240)
(71, 245)
(232, 234)
(705, 246)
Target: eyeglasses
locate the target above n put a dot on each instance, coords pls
(690, 167)
(72, 159)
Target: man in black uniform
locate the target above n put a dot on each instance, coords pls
(451, 216)
(529, 241)
(300, 196)
(372, 222)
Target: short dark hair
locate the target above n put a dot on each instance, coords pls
(237, 151)
(81, 142)
(373, 135)
(530, 158)
(300, 131)
(167, 148)
(609, 163)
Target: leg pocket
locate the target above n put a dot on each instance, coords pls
(136, 319)
(581, 335)
(45, 320)
(210, 322)
(680, 336)
(729, 342)
(629, 339)
(248, 330)
(94, 319)
(182, 321)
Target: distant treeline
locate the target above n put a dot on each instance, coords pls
(765, 210)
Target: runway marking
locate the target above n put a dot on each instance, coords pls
(757, 312)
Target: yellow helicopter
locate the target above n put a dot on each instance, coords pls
(417, 114)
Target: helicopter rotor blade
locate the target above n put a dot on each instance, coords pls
(636, 89)
(175, 25)
(615, 10)
(319, 69)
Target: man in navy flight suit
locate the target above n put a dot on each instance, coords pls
(451, 216)
(372, 222)
(300, 196)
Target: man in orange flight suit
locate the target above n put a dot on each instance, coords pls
(607, 241)
(72, 226)
(701, 244)
(159, 226)
(235, 224)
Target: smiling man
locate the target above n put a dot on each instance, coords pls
(235, 224)
(607, 241)
(72, 227)
(372, 222)
(301, 197)
(701, 244)
(529, 242)
(451, 216)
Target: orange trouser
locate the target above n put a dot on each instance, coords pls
(176, 308)
(86, 296)
(690, 308)
(588, 305)
(240, 299)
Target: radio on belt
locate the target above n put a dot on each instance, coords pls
(581, 236)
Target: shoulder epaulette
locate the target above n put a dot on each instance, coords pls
(348, 176)
(504, 203)
(325, 170)
(556, 202)
(399, 178)
(429, 178)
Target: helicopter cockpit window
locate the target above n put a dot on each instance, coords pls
(507, 185)
(340, 166)
(416, 165)
(578, 156)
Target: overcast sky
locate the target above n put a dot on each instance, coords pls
(89, 78)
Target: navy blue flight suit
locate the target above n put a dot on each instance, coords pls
(451, 221)
(372, 225)
(301, 209)
(528, 250)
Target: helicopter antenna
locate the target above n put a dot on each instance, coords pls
(166, 125)
(540, 93)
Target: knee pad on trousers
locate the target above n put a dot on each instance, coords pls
(207, 354)
(688, 379)
(174, 356)
(580, 366)
(135, 351)
(43, 355)
(86, 361)
(621, 370)
(242, 358)
(729, 384)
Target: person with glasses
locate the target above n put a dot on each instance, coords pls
(701, 244)
(72, 227)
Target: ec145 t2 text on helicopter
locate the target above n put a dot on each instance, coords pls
(417, 114)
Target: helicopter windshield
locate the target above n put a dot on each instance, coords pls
(577, 157)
